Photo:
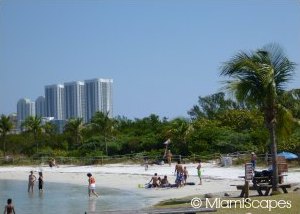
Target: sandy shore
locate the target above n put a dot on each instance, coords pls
(128, 177)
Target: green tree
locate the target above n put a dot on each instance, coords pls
(103, 126)
(291, 100)
(73, 129)
(5, 127)
(259, 77)
(241, 119)
(33, 124)
(140, 135)
(212, 105)
(179, 130)
(50, 129)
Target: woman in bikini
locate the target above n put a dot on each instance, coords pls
(31, 180)
(92, 185)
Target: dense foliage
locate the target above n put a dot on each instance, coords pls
(215, 126)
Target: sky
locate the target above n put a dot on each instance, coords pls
(161, 54)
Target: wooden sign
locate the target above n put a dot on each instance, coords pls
(248, 171)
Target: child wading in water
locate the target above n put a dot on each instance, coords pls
(9, 208)
(199, 172)
(92, 185)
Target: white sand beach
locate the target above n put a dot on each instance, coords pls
(128, 177)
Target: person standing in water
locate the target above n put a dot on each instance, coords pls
(31, 180)
(92, 185)
(9, 208)
(41, 182)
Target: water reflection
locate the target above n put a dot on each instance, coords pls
(92, 205)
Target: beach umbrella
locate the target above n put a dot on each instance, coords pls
(288, 155)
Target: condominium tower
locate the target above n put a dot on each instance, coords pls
(98, 97)
(40, 106)
(25, 108)
(74, 100)
(54, 97)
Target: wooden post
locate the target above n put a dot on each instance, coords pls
(248, 177)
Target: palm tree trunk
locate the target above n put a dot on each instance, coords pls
(37, 145)
(4, 145)
(274, 157)
(105, 146)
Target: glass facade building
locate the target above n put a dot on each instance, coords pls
(54, 99)
(40, 106)
(98, 95)
(74, 100)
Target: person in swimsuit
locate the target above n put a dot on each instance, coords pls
(41, 181)
(185, 174)
(155, 181)
(92, 185)
(169, 157)
(164, 182)
(31, 180)
(9, 208)
(179, 174)
(52, 163)
(199, 172)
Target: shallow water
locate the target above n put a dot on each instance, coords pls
(66, 198)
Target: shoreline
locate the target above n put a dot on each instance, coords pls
(128, 177)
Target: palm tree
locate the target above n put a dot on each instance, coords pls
(50, 129)
(260, 78)
(74, 127)
(103, 125)
(179, 130)
(5, 127)
(33, 124)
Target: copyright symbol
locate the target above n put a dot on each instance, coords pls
(196, 203)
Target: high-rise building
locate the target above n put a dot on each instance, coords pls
(54, 97)
(25, 108)
(40, 106)
(74, 100)
(13, 117)
(98, 96)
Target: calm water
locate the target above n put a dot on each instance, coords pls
(66, 198)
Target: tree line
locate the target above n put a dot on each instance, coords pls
(215, 125)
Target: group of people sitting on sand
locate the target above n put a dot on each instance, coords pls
(181, 178)
(158, 182)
